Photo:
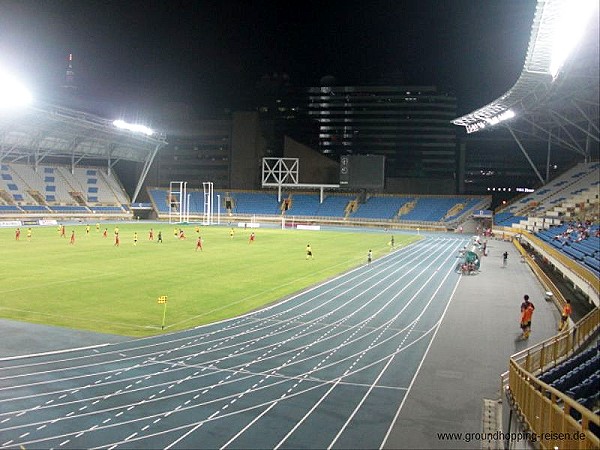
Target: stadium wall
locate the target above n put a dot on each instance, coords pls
(314, 167)
(247, 150)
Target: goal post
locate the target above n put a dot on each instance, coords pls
(178, 202)
(208, 210)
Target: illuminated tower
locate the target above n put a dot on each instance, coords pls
(70, 75)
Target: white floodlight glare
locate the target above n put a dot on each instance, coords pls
(12, 93)
(489, 121)
(569, 27)
(136, 128)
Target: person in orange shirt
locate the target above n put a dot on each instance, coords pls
(564, 318)
(527, 309)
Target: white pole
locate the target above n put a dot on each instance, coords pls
(218, 209)
(187, 212)
(182, 207)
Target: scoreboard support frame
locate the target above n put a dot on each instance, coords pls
(284, 173)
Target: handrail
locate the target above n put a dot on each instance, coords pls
(539, 357)
(545, 410)
(547, 413)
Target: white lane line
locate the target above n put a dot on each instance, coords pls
(243, 430)
(130, 436)
(439, 324)
(315, 406)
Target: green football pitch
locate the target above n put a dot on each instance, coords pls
(94, 285)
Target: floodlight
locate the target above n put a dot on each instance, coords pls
(568, 29)
(136, 128)
(12, 93)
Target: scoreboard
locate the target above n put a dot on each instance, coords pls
(362, 171)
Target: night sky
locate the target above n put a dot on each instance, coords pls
(208, 53)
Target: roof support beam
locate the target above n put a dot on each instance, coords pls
(75, 161)
(526, 154)
(146, 168)
(583, 113)
(583, 130)
(557, 138)
(548, 157)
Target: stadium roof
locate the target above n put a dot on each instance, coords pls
(555, 100)
(36, 133)
(49, 130)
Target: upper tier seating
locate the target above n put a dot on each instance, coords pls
(432, 209)
(54, 189)
(580, 179)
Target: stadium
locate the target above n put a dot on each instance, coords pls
(153, 299)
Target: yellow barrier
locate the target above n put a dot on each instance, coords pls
(545, 410)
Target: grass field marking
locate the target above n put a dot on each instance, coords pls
(39, 313)
(52, 283)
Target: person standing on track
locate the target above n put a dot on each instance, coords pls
(369, 257)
